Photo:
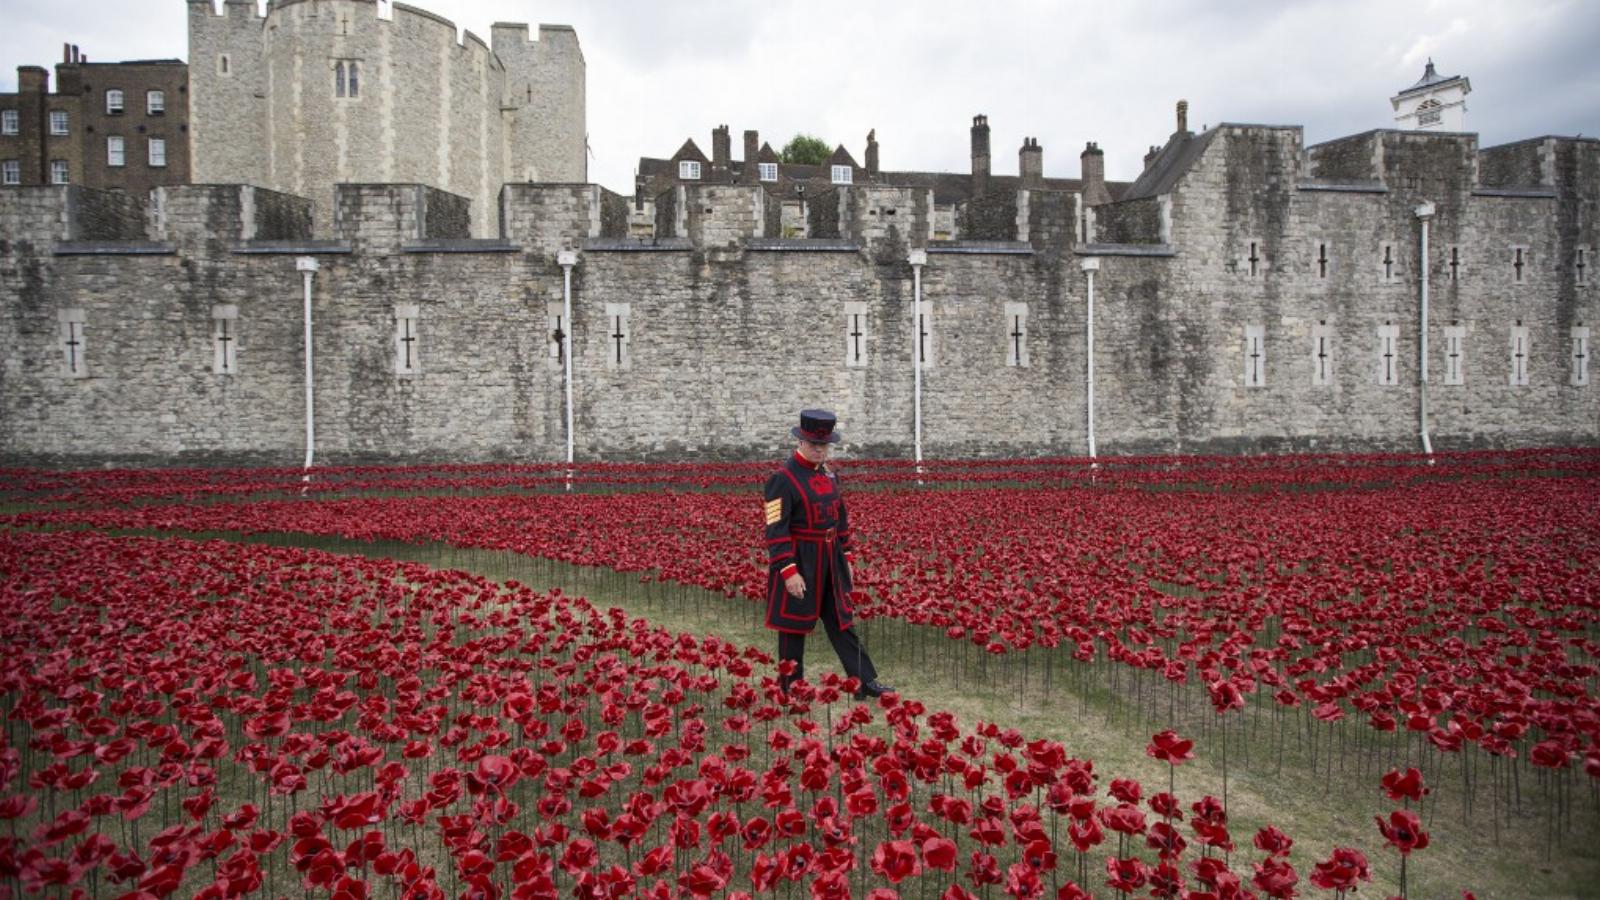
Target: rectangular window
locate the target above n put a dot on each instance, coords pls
(1520, 258)
(116, 154)
(1322, 259)
(155, 103)
(1255, 356)
(619, 336)
(58, 122)
(843, 175)
(10, 122)
(346, 78)
(1321, 354)
(768, 171)
(407, 339)
(1388, 264)
(1016, 334)
(1582, 262)
(855, 335)
(1455, 354)
(1580, 356)
(1253, 262)
(1388, 355)
(158, 152)
(224, 339)
(689, 170)
(1520, 347)
(73, 360)
(113, 102)
(11, 171)
(58, 171)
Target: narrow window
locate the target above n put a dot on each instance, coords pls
(1321, 354)
(407, 358)
(223, 67)
(1455, 354)
(855, 335)
(1322, 260)
(1581, 264)
(353, 69)
(58, 122)
(1016, 334)
(1255, 356)
(1520, 346)
(1519, 261)
(924, 348)
(338, 78)
(689, 170)
(768, 171)
(224, 339)
(73, 358)
(10, 122)
(158, 152)
(116, 152)
(155, 103)
(1388, 264)
(619, 336)
(1580, 356)
(114, 102)
(843, 175)
(58, 171)
(11, 171)
(1455, 263)
(1252, 263)
(556, 335)
(1388, 355)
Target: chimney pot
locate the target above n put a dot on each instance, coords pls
(1183, 116)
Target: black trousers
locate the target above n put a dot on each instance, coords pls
(852, 655)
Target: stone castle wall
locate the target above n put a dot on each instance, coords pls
(704, 343)
(429, 108)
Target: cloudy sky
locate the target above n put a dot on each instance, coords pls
(1065, 73)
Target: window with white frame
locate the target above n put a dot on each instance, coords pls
(843, 175)
(855, 335)
(11, 171)
(1016, 334)
(768, 171)
(155, 103)
(689, 170)
(224, 339)
(407, 358)
(1321, 354)
(1580, 356)
(1255, 356)
(58, 122)
(59, 173)
(73, 359)
(10, 121)
(158, 152)
(1519, 348)
(1455, 355)
(116, 151)
(347, 78)
(619, 336)
(114, 102)
(1388, 355)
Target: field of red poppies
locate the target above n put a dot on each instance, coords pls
(222, 717)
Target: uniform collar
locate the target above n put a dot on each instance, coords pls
(803, 462)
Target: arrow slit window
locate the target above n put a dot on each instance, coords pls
(1519, 356)
(1016, 334)
(407, 339)
(1580, 356)
(1255, 356)
(1321, 355)
(73, 344)
(923, 337)
(855, 335)
(555, 335)
(619, 336)
(224, 340)
(1388, 355)
(1455, 354)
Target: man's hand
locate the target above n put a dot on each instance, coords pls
(795, 585)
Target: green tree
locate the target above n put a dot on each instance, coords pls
(806, 150)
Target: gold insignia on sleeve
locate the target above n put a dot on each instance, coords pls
(774, 511)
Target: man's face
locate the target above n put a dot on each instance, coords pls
(815, 451)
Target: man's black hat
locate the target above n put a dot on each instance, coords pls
(816, 425)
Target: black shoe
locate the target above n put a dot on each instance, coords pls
(873, 689)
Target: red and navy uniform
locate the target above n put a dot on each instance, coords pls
(808, 531)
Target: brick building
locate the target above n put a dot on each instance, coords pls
(111, 126)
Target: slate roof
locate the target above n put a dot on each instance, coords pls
(1174, 160)
(1430, 79)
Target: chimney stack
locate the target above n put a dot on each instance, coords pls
(1030, 163)
(1183, 116)
(1155, 151)
(980, 154)
(638, 192)
(872, 152)
(66, 52)
(721, 147)
(1093, 164)
(752, 149)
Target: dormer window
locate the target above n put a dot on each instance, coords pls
(689, 170)
(843, 175)
(768, 171)
(113, 102)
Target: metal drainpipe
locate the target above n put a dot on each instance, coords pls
(1090, 266)
(1424, 215)
(307, 266)
(567, 259)
(918, 259)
